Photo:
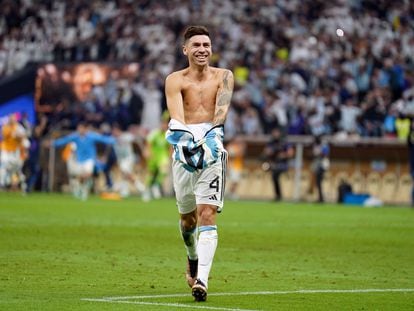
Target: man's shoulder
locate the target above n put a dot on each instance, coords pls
(176, 75)
(221, 70)
(181, 73)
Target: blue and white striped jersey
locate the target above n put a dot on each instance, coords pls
(195, 154)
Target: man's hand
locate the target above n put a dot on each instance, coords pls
(213, 144)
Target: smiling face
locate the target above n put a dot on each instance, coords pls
(198, 50)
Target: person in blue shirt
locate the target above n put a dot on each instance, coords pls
(81, 157)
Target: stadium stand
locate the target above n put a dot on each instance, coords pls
(327, 66)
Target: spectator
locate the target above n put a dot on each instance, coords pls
(250, 122)
(403, 125)
(349, 117)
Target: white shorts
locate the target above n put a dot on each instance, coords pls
(126, 165)
(11, 160)
(77, 169)
(201, 186)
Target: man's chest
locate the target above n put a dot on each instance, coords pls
(200, 89)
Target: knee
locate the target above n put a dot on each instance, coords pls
(189, 221)
(207, 215)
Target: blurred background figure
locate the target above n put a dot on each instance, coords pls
(277, 153)
(157, 159)
(236, 149)
(14, 147)
(320, 164)
(106, 160)
(411, 157)
(33, 161)
(82, 157)
(127, 161)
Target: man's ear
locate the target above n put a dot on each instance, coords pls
(185, 50)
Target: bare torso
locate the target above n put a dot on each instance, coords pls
(196, 94)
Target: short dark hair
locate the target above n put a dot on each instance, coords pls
(195, 31)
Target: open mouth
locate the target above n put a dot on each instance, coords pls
(201, 57)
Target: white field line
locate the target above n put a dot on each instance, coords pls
(192, 306)
(126, 299)
(287, 292)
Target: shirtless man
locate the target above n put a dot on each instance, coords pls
(198, 98)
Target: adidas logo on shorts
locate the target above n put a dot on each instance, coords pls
(213, 197)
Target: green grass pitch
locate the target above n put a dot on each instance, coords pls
(57, 253)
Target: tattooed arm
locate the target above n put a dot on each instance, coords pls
(223, 97)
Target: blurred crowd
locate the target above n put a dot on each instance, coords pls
(308, 67)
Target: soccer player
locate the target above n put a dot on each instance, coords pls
(198, 99)
(158, 156)
(82, 161)
(126, 160)
(14, 146)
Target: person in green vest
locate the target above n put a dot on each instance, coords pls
(402, 125)
(158, 158)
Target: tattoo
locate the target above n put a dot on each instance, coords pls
(219, 117)
(223, 98)
(226, 80)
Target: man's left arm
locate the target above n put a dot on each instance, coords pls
(223, 98)
(213, 140)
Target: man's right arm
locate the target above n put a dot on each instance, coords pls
(64, 140)
(174, 98)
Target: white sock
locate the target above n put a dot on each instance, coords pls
(156, 191)
(190, 241)
(207, 244)
(75, 186)
(23, 184)
(3, 177)
(124, 189)
(85, 188)
(139, 186)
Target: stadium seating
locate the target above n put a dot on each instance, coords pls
(389, 188)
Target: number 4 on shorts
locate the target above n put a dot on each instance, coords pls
(215, 184)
